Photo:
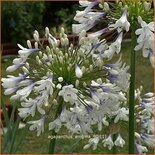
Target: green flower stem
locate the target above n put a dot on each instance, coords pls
(53, 141)
(132, 90)
(114, 147)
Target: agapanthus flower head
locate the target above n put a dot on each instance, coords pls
(67, 78)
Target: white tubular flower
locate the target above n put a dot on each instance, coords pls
(87, 21)
(115, 47)
(92, 143)
(25, 91)
(14, 67)
(98, 33)
(146, 40)
(148, 124)
(69, 94)
(12, 81)
(86, 18)
(119, 141)
(121, 24)
(78, 71)
(108, 142)
(141, 149)
(56, 125)
(122, 114)
(88, 4)
(118, 74)
(45, 85)
(38, 125)
(148, 139)
(25, 52)
(147, 105)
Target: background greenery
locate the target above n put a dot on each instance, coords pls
(20, 19)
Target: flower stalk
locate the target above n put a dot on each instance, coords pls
(132, 90)
(53, 141)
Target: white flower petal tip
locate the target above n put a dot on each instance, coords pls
(119, 141)
(78, 71)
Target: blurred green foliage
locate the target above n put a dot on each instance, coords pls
(19, 19)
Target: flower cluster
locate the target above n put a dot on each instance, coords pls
(61, 76)
(130, 10)
(145, 120)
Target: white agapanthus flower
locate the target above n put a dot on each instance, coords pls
(92, 143)
(146, 40)
(122, 23)
(122, 114)
(38, 125)
(145, 136)
(69, 94)
(141, 149)
(108, 142)
(119, 141)
(87, 18)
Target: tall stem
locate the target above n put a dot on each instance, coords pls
(114, 147)
(132, 90)
(53, 141)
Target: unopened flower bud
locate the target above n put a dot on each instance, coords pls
(77, 83)
(106, 6)
(61, 59)
(36, 38)
(84, 84)
(62, 41)
(91, 67)
(78, 71)
(37, 58)
(40, 54)
(25, 70)
(62, 30)
(59, 86)
(48, 49)
(50, 57)
(47, 31)
(83, 69)
(36, 32)
(60, 79)
(100, 6)
(139, 19)
(66, 42)
(36, 45)
(29, 44)
(120, 4)
(66, 55)
(99, 81)
(147, 6)
(27, 65)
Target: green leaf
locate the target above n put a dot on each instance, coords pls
(8, 134)
(14, 133)
(5, 114)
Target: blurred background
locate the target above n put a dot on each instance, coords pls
(20, 19)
